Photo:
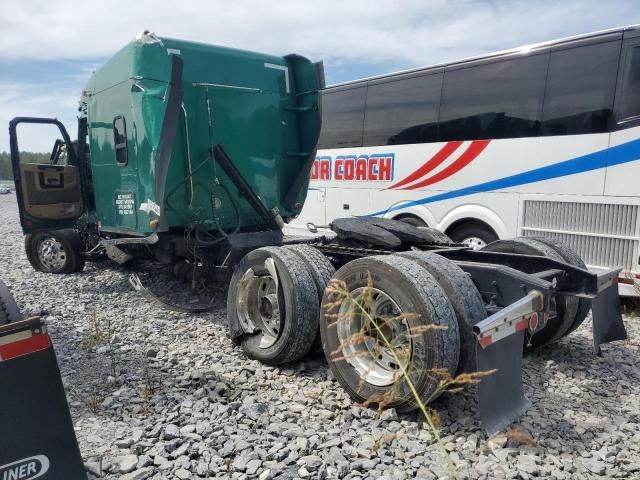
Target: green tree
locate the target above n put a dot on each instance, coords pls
(6, 172)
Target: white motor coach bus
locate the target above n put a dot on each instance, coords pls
(542, 140)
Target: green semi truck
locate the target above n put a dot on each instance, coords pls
(196, 156)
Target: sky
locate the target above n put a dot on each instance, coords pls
(49, 48)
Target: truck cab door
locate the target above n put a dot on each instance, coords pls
(48, 185)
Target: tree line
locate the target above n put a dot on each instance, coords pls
(6, 172)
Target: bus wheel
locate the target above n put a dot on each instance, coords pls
(272, 306)
(377, 337)
(566, 307)
(572, 258)
(55, 251)
(322, 270)
(9, 311)
(474, 234)
(464, 297)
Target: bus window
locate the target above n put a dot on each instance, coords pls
(580, 89)
(630, 99)
(403, 111)
(502, 99)
(342, 117)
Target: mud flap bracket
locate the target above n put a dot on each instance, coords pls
(501, 398)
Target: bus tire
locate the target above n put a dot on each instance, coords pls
(464, 297)
(473, 233)
(566, 307)
(55, 251)
(572, 258)
(9, 311)
(282, 311)
(365, 369)
(321, 270)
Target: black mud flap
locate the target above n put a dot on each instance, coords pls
(607, 319)
(38, 440)
(501, 399)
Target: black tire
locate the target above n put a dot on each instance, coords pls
(321, 270)
(566, 307)
(296, 291)
(572, 258)
(71, 243)
(414, 291)
(412, 220)
(436, 235)
(464, 297)
(9, 311)
(468, 230)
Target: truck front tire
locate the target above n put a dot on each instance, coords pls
(55, 251)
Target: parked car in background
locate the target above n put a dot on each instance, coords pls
(4, 189)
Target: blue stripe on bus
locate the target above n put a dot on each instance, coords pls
(624, 153)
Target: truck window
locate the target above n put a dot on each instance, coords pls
(120, 139)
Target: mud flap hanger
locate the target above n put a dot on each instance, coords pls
(501, 398)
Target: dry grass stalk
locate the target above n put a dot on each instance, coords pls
(364, 311)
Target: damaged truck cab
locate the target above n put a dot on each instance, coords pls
(174, 133)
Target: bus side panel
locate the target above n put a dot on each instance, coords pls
(622, 178)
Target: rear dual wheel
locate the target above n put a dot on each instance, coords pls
(377, 337)
(272, 306)
(570, 311)
(322, 271)
(465, 299)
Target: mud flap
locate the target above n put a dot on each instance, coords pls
(607, 319)
(501, 399)
(38, 439)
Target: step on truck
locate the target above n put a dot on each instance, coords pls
(198, 155)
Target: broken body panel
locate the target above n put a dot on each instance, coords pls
(155, 112)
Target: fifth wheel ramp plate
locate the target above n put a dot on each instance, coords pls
(38, 439)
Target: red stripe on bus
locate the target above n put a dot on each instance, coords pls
(24, 347)
(475, 149)
(440, 156)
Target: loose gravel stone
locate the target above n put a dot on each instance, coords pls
(166, 395)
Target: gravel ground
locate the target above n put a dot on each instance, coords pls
(162, 395)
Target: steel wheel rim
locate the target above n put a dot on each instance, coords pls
(363, 347)
(476, 243)
(51, 253)
(257, 304)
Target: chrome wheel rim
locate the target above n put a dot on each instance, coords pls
(51, 253)
(476, 243)
(257, 303)
(364, 347)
